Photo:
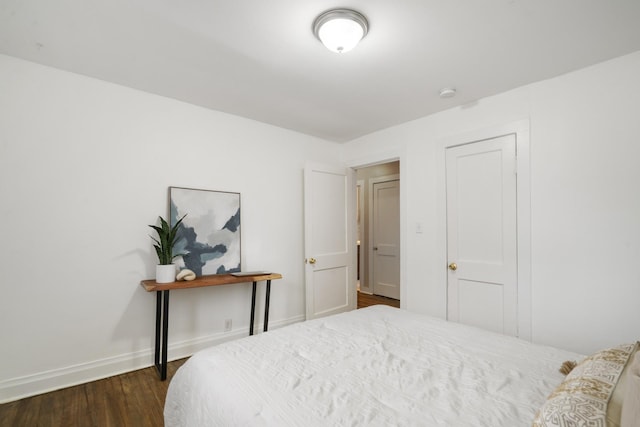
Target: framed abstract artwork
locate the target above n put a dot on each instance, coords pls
(209, 235)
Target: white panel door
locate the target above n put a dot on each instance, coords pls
(329, 201)
(482, 234)
(386, 239)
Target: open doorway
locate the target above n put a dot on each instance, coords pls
(378, 234)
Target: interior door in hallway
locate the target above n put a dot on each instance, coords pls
(386, 238)
(482, 234)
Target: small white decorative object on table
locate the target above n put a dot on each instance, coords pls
(186, 274)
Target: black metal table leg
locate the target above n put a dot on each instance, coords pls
(266, 306)
(158, 327)
(162, 332)
(253, 308)
(165, 335)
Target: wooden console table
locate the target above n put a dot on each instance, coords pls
(162, 305)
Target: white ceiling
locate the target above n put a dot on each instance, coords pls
(259, 58)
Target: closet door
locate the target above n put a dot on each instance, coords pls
(482, 234)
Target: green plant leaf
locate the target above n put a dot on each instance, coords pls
(167, 238)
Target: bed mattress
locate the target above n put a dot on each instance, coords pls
(373, 366)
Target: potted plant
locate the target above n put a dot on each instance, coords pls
(167, 238)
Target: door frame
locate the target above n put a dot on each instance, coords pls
(523, 202)
(360, 231)
(372, 182)
(381, 158)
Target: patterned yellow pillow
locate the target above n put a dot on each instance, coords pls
(582, 398)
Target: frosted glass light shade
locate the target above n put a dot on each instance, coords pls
(340, 35)
(340, 30)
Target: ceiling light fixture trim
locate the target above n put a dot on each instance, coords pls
(340, 30)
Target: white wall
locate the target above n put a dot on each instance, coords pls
(585, 200)
(84, 167)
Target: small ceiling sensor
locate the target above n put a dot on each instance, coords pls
(447, 92)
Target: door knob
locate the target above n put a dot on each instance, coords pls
(312, 260)
(453, 266)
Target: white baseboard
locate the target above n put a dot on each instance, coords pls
(55, 379)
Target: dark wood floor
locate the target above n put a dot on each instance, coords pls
(133, 399)
(365, 300)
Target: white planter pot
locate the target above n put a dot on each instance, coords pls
(165, 273)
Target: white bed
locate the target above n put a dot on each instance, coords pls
(373, 366)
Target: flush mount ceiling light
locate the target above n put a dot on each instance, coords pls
(340, 30)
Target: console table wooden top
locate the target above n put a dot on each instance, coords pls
(208, 280)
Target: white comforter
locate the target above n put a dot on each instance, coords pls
(378, 366)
